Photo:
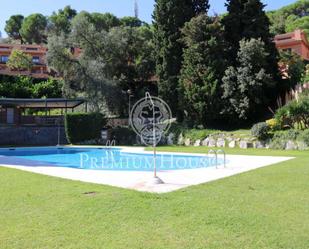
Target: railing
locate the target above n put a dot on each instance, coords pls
(216, 152)
(224, 156)
(216, 156)
(111, 143)
(42, 120)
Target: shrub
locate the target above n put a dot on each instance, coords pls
(295, 114)
(283, 117)
(80, 127)
(195, 134)
(47, 89)
(280, 138)
(277, 143)
(123, 136)
(304, 137)
(291, 134)
(272, 124)
(260, 131)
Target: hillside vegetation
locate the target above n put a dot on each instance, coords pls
(290, 17)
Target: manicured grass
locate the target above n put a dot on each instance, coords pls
(265, 208)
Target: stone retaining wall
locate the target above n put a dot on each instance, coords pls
(31, 135)
(230, 141)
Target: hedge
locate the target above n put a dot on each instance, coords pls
(123, 135)
(80, 127)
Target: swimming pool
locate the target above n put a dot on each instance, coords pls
(104, 159)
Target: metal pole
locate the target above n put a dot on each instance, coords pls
(154, 142)
(129, 105)
(156, 179)
(154, 135)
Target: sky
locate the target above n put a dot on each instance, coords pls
(119, 8)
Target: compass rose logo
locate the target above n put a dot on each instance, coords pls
(150, 118)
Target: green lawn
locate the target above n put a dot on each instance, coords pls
(265, 208)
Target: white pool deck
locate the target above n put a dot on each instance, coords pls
(139, 180)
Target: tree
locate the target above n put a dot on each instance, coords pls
(293, 68)
(247, 19)
(293, 22)
(33, 29)
(277, 23)
(61, 21)
(19, 61)
(15, 87)
(131, 21)
(202, 70)
(13, 26)
(135, 60)
(111, 62)
(169, 17)
(104, 21)
(50, 88)
(245, 86)
(289, 18)
(200, 7)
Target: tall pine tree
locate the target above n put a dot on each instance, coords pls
(246, 19)
(169, 17)
(200, 7)
(202, 71)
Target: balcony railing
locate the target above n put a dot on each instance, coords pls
(35, 73)
(41, 120)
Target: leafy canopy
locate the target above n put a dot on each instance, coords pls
(245, 86)
(289, 18)
(33, 29)
(13, 26)
(112, 61)
(61, 21)
(19, 60)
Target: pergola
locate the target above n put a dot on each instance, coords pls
(11, 108)
(58, 103)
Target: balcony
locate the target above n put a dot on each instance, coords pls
(40, 74)
(30, 49)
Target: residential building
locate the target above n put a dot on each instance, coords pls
(39, 69)
(38, 54)
(295, 41)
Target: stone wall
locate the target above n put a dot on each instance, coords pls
(234, 141)
(31, 135)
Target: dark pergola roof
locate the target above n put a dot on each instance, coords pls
(42, 103)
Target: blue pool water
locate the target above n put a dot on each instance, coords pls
(102, 159)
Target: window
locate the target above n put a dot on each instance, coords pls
(36, 59)
(289, 50)
(284, 38)
(4, 58)
(32, 49)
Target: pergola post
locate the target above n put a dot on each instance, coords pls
(66, 106)
(86, 106)
(45, 111)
